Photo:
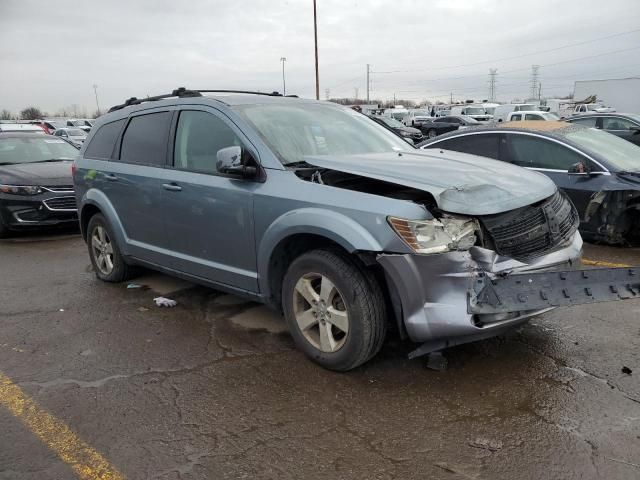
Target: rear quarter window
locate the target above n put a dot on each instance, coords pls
(104, 140)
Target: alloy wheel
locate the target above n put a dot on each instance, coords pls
(102, 249)
(320, 312)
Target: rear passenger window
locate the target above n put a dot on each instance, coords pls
(145, 139)
(532, 116)
(587, 122)
(198, 138)
(517, 117)
(104, 140)
(484, 145)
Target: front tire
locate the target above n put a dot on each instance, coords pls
(107, 261)
(334, 308)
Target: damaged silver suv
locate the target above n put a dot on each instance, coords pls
(320, 212)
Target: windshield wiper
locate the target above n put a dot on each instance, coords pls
(629, 172)
(53, 160)
(300, 163)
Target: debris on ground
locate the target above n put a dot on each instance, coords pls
(627, 370)
(133, 285)
(165, 302)
(437, 362)
(143, 309)
(486, 444)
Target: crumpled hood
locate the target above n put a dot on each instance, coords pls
(50, 173)
(459, 182)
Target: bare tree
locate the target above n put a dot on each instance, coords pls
(31, 113)
(6, 115)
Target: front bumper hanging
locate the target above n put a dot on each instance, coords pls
(491, 293)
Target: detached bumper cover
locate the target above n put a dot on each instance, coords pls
(539, 290)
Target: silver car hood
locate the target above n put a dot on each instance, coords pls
(459, 182)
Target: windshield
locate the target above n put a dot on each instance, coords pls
(621, 154)
(77, 123)
(633, 116)
(295, 130)
(392, 122)
(28, 150)
(594, 108)
(470, 120)
(474, 111)
(76, 132)
(528, 106)
(420, 112)
(489, 110)
(550, 116)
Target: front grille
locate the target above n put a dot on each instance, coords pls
(59, 188)
(534, 230)
(61, 203)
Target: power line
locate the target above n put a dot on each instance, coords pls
(522, 55)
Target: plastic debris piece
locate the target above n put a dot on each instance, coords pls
(437, 362)
(165, 302)
(61, 310)
(627, 370)
(134, 285)
(143, 309)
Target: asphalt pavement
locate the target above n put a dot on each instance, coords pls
(98, 382)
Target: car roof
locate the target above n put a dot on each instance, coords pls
(603, 114)
(23, 134)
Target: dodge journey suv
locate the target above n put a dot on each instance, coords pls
(316, 210)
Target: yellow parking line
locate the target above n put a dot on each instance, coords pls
(600, 263)
(84, 460)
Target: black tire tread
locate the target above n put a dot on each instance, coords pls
(121, 271)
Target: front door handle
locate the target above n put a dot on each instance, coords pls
(111, 177)
(172, 187)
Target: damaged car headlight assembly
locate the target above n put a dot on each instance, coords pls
(20, 189)
(436, 235)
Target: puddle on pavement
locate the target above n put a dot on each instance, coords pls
(260, 318)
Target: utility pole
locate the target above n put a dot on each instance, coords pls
(534, 80)
(327, 93)
(539, 91)
(493, 72)
(368, 70)
(315, 37)
(284, 85)
(355, 90)
(394, 99)
(95, 91)
(451, 98)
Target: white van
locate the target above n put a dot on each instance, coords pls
(476, 112)
(398, 113)
(523, 115)
(501, 113)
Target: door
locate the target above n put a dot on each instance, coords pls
(622, 128)
(554, 160)
(209, 217)
(132, 182)
(482, 144)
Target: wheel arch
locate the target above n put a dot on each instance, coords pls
(93, 202)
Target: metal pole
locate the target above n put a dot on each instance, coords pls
(315, 37)
(95, 90)
(284, 85)
(367, 84)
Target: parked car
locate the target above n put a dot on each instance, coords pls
(477, 112)
(47, 127)
(397, 113)
(35, 182)
(81, 123)
(623, 125)
(598, 171)
(415, 117)
(532, 115)
(501, 112)
(586, 108)
(440, 125)
(20, 127)
(75, 136)
(327, 216)
(398, 128)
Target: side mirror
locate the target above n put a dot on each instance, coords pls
(409, 140)
(579, 168)
(635, 130)
(231, 162)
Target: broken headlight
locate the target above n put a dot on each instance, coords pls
(437, 235)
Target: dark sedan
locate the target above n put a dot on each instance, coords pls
(623, 125)
(440, 125)
(398, 128)
(36, 187)
(599, 171)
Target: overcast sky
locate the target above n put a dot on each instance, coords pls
(53, 52)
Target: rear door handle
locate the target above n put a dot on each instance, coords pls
(172, 187)
(111, 177)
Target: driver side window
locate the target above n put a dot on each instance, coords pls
(536, 152)
(199, 136)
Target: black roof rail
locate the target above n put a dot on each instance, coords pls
(184, 93)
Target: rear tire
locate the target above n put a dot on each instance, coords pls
(107, 261)
(334, 308)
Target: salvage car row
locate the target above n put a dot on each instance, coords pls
(334, 220)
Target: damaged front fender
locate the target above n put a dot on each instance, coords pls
(611, 216)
